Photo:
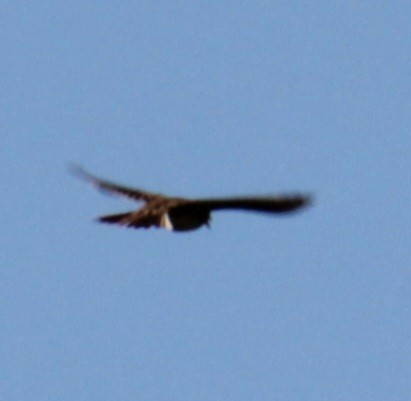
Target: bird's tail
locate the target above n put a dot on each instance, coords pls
(120, 218)
(131, 219)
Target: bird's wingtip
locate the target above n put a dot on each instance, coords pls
(80, 172)
(309, 199)
(75, 169)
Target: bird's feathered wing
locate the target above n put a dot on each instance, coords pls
(108, 186)
(277, 204)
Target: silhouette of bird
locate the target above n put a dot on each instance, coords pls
(184, 214)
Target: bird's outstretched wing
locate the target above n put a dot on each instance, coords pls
(107, 186)
(278, 204)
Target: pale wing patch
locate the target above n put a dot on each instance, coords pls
(166, 222)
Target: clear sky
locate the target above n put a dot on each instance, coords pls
(206, 99)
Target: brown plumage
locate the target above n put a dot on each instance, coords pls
(182, 214)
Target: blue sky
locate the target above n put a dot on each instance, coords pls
(206, 99)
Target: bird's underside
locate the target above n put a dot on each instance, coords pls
(182, 214)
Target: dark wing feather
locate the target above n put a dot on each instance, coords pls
(104, 185)
(279, 204)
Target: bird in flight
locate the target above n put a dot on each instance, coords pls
(183, 214)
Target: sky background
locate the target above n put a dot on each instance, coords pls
(205, 99)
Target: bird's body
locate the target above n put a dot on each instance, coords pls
(164, 213)
(183, 214)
